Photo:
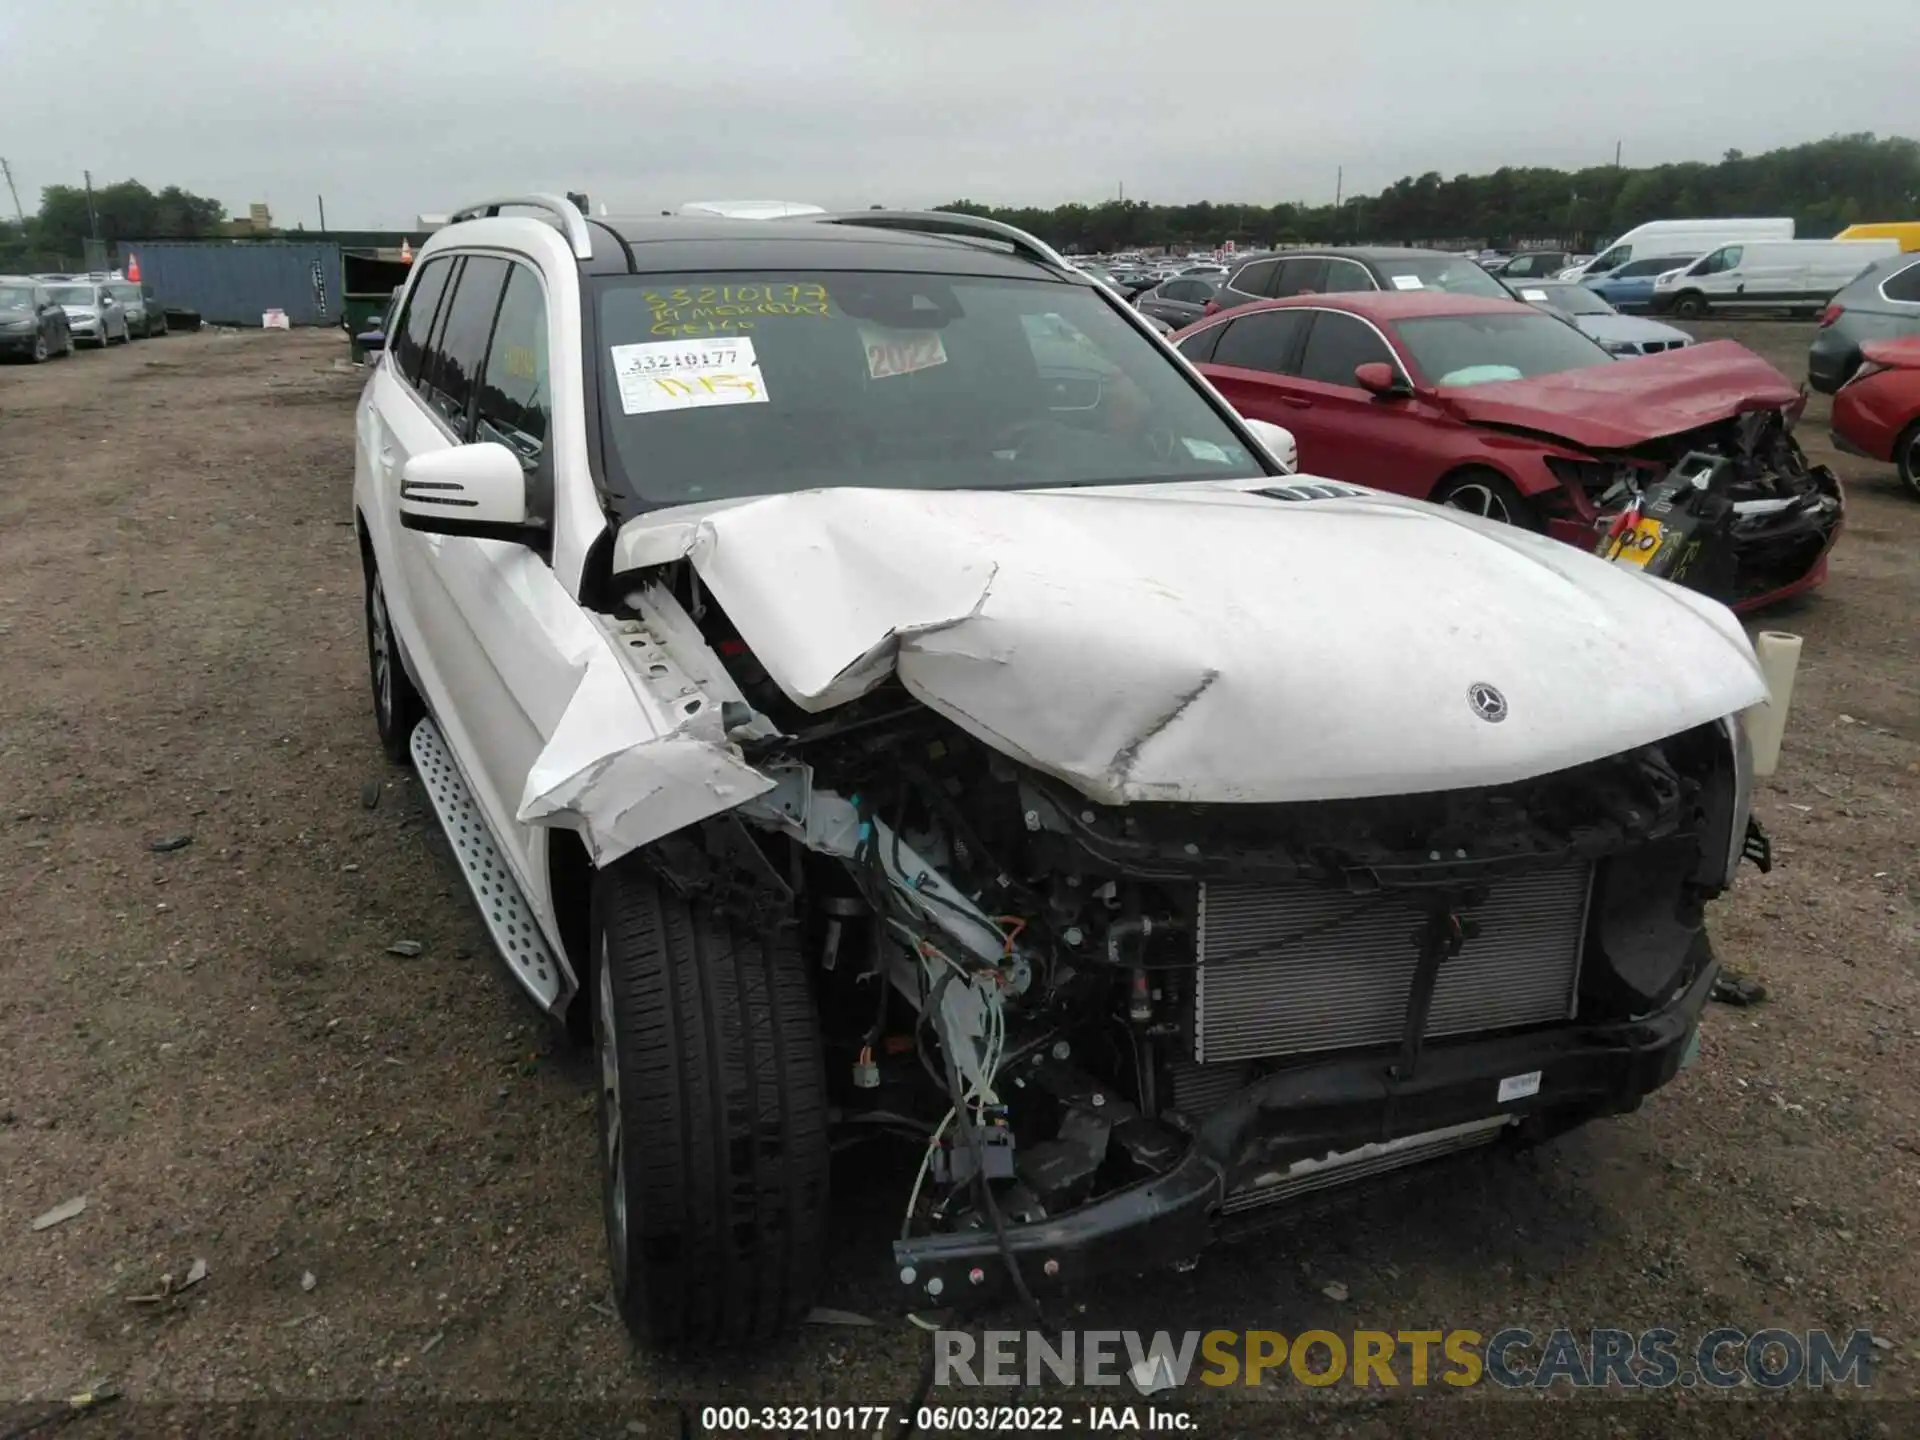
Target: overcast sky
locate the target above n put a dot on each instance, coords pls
(390, 108)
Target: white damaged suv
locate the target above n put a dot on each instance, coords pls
(871, 683)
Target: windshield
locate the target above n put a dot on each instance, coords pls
(1566, 296)
(1439, 272)
(15, 297)
(71, 294)
(1459, 350)
(896, 381)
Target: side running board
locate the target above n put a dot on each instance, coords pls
(508, 916)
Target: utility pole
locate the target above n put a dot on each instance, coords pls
(1339, 181)
(1616, 154)
(93, 220)
(7, 170)
(323, 212)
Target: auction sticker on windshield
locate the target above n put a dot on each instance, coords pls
(901, 352)
(687, 374)
(1406, 282)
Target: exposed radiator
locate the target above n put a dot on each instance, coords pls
(1304, 1177)
(1295, 968)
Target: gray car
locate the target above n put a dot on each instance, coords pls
(1590, 313)
(145, 317)
(1883, 304)
(1179, 301)
(93, 314)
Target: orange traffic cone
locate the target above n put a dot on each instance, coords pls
(406, 253)
(133, 267)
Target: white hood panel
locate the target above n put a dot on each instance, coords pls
(1204, 643)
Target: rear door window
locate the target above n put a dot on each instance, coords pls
(1267, 341)
(1347, 275)
(1306, 276)
(460, 351)
(1256, 278)
(416, 326)
(1336, 345)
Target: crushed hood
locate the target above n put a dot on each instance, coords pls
(1207, 643)
(1619, 406)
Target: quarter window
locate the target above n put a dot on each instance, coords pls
(1903, 286)
(1337, 345)
(1255, 279)
(461, 348)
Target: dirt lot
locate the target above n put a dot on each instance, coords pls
(387, 1162)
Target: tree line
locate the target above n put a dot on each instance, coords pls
(55, 236)
(1824, 185)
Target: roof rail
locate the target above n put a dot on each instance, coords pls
(947, 222)
(573, 224)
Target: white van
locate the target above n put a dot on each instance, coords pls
(1676, 237)
(1768, 275)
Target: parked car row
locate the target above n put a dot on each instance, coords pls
(42, 316)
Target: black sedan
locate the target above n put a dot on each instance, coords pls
(32, 326)
(1179, 301)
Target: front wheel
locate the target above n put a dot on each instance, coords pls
(713, 1116)
(1906, 456)
(1690, 306)
(42, 352)
(396, 704)
(1488, 494)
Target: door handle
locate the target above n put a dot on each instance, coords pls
(1297, 402)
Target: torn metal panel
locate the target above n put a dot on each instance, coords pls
(639, 752)
(1207, 643)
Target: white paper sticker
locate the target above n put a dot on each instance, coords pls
(901, 352)
(688, 374)
(1518, 1087)
(1406, 282)
(1533, 294)
(1205, 450)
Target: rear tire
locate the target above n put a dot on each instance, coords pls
(1906, 458)
(1487, 493)
(713, 1117)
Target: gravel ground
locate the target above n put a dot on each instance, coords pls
(386, 1162)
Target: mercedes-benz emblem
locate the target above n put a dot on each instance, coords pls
(1488, 703)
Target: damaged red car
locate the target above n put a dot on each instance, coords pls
(1876, 414)
(1497, 408)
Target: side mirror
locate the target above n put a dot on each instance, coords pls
(1279, 443)
(478, 490)
(1381, 379)
(371, 341)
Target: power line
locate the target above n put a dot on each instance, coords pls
(7, 170)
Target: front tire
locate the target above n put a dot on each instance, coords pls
(1906, 458)
(1489, 494)
(1690, 306)
(713, 1131)
(396, 704)
(42, 352)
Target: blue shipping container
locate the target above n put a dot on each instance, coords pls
(235, 282)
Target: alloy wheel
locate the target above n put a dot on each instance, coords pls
(614, 1155)
(380, 648)
(1480, 500)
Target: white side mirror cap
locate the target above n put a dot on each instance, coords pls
(1279, 442)
(478, 490)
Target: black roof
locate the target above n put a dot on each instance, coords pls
(666, 244)
(1361, 252)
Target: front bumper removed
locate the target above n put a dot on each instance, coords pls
(1344, 1104)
